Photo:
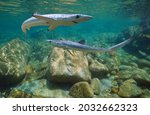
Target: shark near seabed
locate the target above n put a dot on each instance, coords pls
(53, 20)
(79, 46)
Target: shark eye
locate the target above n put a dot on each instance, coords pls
(77, 16)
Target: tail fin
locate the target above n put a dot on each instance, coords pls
(120, 45)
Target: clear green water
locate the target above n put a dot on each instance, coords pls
(109, 16)
(110, 25)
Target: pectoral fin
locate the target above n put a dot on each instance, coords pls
(52, 27)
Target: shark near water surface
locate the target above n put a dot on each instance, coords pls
(54, 20)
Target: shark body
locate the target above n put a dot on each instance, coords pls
(54, 20)
(66, 44)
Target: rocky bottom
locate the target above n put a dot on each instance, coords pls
(52, 72)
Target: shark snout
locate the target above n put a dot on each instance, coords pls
(88, 17)
(84, 18)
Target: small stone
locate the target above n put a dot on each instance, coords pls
(95, 84)
(19, 94)
(81, 90)
(124, 67)
(29, 69)
(113, 72)
(134, 64)
(115, 89)
(98, 69)
(129, 89)
(139, 75)
(143, 63)
(146, 93)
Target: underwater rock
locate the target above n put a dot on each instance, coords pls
(129, 89)
(67, 66)
(106, 84)
(115, 87)
(146, 93)
(113, 65)
(124, 67)
(133, 64)
(139, 75)
(13, 60)
(108, 95)
(36, 70)
(95, 84)
(143, 63)
(81, 90)
(40, 88)
(97, 69)
(105, 87)
(19, 94)
(29, 69)
(40, 50)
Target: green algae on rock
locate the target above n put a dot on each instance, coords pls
(67, 66)
(81, 90)
(13, 60)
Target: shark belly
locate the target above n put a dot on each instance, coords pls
(66, 23)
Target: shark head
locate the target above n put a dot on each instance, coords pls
(63, 43)
(76, 18)
(56, 42)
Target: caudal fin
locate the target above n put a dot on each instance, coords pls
(120, 45)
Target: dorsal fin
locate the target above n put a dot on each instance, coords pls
(82, 42)
(41, 17)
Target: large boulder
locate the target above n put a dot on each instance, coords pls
(68, 66)
(13, 60)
